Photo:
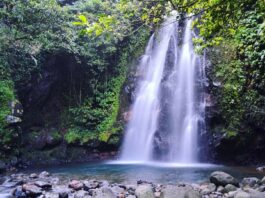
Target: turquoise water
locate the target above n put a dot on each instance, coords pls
(153, 172)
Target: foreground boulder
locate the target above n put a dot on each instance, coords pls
(220, 178)
(179, 192)
(144, 191)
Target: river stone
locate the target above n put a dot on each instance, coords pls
(220, 189)
(179, 192)
(51, 195)
(76, 185)
(205, 191)
(255, 194)
(44, 174)
(19, 192)
(250, 181)
(241, 194)
(31, 189)
(261, 188)
(222, 179)
(33, 176)
(81, 194)
(261, 169)
(43, 184)
(144, 191)
(117, 190)
(62, 190)
(104, 183)
(229, 188)
(10, 183)
(130, 196)
(211, 187)
(91, 184)
(103, 192)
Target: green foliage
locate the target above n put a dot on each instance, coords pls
(239, 63)
(121, 19)
(99, 113)
(6, 96)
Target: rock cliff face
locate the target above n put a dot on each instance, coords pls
(245, 147)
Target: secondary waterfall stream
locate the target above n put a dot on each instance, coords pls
(168, 112)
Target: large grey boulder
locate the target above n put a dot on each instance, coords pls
(144, 191)
(220, 178)
(179, 192)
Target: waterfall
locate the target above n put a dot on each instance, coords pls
(167, 114)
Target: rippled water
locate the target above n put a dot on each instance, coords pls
(153, 172)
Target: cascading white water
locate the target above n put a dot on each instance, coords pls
(167, 110)
(143, 124)
(183, 107)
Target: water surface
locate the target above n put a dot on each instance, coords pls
(163, 173)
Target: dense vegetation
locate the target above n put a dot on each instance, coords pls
(33, 33)
(91, 44)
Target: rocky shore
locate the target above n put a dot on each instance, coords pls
(46, 185)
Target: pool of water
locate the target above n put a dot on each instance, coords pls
(163, 173)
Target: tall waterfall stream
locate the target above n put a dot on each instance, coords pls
(168, 111)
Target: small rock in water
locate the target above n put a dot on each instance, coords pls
(76, 185)
(222, 179)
